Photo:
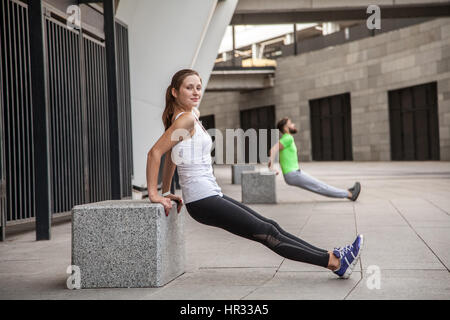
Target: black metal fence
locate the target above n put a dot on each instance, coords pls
(2, 160)
(124, 98)
(17, 111)
(65, 112)
(78, 117)
(97, 121)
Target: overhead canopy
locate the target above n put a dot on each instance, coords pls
(251, 12)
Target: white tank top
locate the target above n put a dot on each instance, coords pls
(193, 159)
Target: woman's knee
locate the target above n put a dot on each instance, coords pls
(269, 236)
(274, 223)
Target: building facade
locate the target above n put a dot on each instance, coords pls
(385, 97)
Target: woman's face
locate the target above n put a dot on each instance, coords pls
(190, 92)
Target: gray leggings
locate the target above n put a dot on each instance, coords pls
(305, 181)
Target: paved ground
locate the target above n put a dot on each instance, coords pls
(403, 211)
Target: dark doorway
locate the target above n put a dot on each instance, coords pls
(258, 118)
(414, 123)
(208, 122)
(331, 130)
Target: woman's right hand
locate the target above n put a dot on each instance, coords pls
(166, 202)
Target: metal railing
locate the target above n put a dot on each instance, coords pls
(278, 49)
(124, 100)
(65, 112)
(97, 115)
(17, 111)
(78, 117)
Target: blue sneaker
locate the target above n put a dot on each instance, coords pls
(348, 257)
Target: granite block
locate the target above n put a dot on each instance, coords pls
(127, 243)
(258, 187)
(236, 171)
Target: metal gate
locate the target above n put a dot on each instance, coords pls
(258, 118)
(65, 112)
(77, 115)
(17, 111)
(97, 114)
(331, 131)
(208, 122)
(414, 123)
(124, 101)
(2, 161)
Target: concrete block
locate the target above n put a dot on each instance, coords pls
(290, 97)
(360, 84)
(236, 171)
(445, 31)
(353, 46)
(444, 131)
(258, 187)
(445, 153)
(429, 69)
(127, 243)
(377, 52)
(429, 56)
(373, 69)
(435, 23)
(410, 74)
(362, 156)
(306, 156)
(443, 66)
(373, 82)
(385, 155)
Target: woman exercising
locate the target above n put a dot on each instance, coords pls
(187, 145)
(296, 177)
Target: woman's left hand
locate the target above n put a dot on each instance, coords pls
(177, 199)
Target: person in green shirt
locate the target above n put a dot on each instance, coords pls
(291, 171)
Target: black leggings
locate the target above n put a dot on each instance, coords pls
(233, 216)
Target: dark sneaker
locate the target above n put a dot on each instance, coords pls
(355, 190)
(348, 257)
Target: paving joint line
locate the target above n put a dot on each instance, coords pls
(438, 207)
(409, 224)
(215, 268)
(360, 259)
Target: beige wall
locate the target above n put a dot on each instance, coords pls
(367, 68)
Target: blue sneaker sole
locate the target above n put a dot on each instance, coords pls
(349, 270)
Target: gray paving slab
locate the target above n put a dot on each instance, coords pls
(421, 213)
(215, 283)
(404, 285)
(378, 213)
(438, 240)
(392, 247)
(440, 201)
(304, 286)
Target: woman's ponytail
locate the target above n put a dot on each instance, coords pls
(170, 108)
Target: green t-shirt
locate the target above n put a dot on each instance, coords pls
(288, 156)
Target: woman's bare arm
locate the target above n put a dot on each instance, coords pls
(182, 128)
(168, 171)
